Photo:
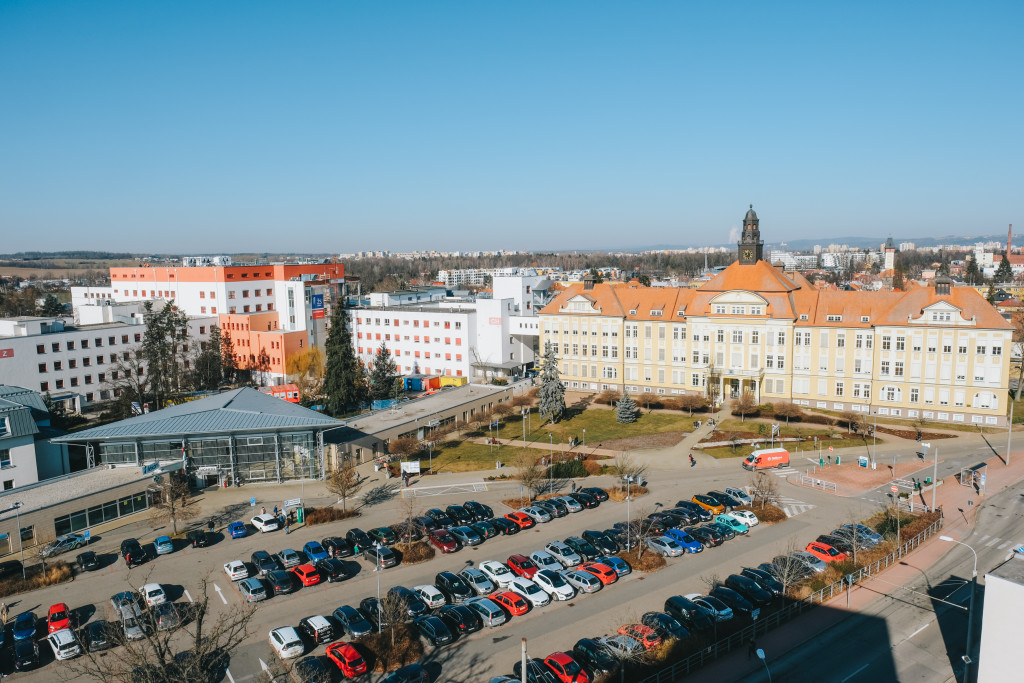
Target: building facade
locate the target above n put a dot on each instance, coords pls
(938, 353)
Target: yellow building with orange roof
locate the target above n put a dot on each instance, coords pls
(937, 353)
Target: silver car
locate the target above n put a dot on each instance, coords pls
(288, 558)
(563, 553)
(569, 503)
(537, 514)
(488, 611)
(584, 582)
(545, 560)
(478, 581)
(810, 561)
(719, 610)
(665, 546)
(252, 590)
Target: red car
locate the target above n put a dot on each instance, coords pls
(825, 552)
(566, 668)
(522, 565)
(58, 617)
(307, 574)
(521, 519)
(515, 603)
(443, 541)
(602, 571)
(347, 658)
(645, 634)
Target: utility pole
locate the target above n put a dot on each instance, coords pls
(1009, 433)
(524, 661)
(935, 475)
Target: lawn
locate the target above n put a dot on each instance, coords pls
(467, 456)
(805, 430)
(927, 424)
(594, 426)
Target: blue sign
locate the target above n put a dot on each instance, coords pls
(151, 467)
(252, 502)
(318, 301)
(85, 534)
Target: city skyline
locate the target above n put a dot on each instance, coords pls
(341, 128)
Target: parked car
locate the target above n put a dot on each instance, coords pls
(480, 511)
(594, 655)
(571, 504)
(306, 574)
(866, 532)
(725, 530)
(746, 516)
(58, 618)
(841, 544)
(808, 560)
(337, 547)
(490, 613)
(466, 535)
(165, 616)
(478, 582)
(153, 594)
(87, 561)
(497, 572)
(264, 523)
(748, 588)
(373, 611)
(689, 613)
(619, 565)
(602, 541)
(425, 524)
(197, 538)
(441, 518)
(665, 625)
(585, 499)
(565, 668)
(683, 538)
(739, 604)
(702, 514)
(511, 602)
(665, 546)
(414, 604)
(484, 529)
(545, 560)
(281, 582)
(252, 590)
(583, 547)
(311, 670)
(459, 514)
(332, 569)
(537, 514)
(536, 672)
(825, 552)
(598, 493)
(317, 628)
(522, 565)
(164, 545)
(529, 590)
(236, 530)
(554, 585)
(286, 642)
(584, 582)
(563, 553)
(430, 595)
(236, 570)
(454, 588)
(603, 572)
(622, 646)
(708, 535)
(646, 635)
(708, 503)
(686, 516)
(763, 579)
(461, 619)
(314, 551)
(358, 539)
(347, 659)
(288, 558)
(443, 541)
(352, 620)
(727, 501)
(553, 506)
(62, 545)
(98, 636)
(434, 630)
(718, 610)
(505, 526)
(414, 673)
(732, 523)
(381, 556)
(739, 494)
(26, 655)
(132, 552)
(524, 520)
(263, 562)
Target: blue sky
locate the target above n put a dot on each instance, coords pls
(342, 126)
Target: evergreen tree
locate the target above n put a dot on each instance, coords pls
(344, 386)
(552, 392)
(207, 366)
(229, 363)
(1004, 273)
(897, 279)
(383, 375)
(52, 306)
(625, 411)
(165, 349)
(972, 275)
(991, 296)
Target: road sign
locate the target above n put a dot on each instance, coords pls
(252, 502)
(85, 534)
(293, 503)
(829, 449)
(894, 488)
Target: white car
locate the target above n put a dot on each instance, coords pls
(584, 582)
(433, 597)
(236, 570)
(537, 514)
(488, 611)
(555, 586)
(569, 503)
(665, 546)
(153, 594)
(529, 590)
(478, 581)
(746, 516)
(497, 572)
(286, 642)
(739, 494)
(64, 644)
(563, 553)
(264, 523)
(718, 610)
(545, 560)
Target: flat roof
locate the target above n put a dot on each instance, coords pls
(1011, 570)
(425, 407)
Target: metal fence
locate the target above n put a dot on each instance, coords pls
(770, 621)
(815, 483)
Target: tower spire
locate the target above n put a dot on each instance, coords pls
(750, 246)
(1009, 239)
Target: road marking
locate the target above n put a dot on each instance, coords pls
(263, 665)
(222, 598)
(1004, 545)
(917, 631)
(854, 673)
(993, 542)
(189, 597)
(982, 539)
(230, 677)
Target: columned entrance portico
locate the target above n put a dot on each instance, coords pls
(731, 387)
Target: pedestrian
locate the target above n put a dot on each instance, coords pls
(263, 510)
(275, 511)
(3, 613)
(286, 529)
(574, 486)
(751, 649)
(830, 460)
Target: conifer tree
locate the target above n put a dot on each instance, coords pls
(383, 375)
(344, 386)
(552, 392)
(1004, 273)
(625, 411)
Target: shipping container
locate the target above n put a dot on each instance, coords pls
(431, 383)
(447, 381)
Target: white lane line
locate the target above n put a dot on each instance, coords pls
(189, 596)
(993, 542)
(263, 665)
(231, 678)
(983, 538)
(221, 594)
(917, 631)
(854, 673)
(1004, 545)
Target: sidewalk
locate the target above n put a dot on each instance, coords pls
(952, 498)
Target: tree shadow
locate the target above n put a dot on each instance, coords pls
(380, 494)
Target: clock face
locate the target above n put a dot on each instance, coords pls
(748, 254)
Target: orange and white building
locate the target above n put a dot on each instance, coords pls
(937, 353)
(276, 309)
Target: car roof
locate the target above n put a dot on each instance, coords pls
(286, 631)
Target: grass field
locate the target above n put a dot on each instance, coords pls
(599, 425)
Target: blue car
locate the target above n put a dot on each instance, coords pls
(164, 545)
(236, 529)
(314, 552)
(620, 566)
(24, 626)
(684, 539)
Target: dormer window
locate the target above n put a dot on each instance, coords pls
(720, 309)
(656, 314)
(681, 312)
(803, 316)
(865, 319)
(834, 318)
(632, 311)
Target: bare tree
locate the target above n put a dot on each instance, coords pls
(406, 528)
(174, 505)
(404, 447)
(733, 438)
(626, 464)
(344, 482)
(854, 421)
(712, 580)
(764, 489)
(530, 473)
(745, 405)
(1018, 350)
(786, 569)
(522, 401)
(787, 410)
(393, 612)
(692, 402)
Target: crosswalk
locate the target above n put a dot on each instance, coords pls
(784, 472)
(793, 507)
(998, 543)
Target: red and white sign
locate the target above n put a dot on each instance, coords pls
(894, 488)
(6, 353)
(494, 321)
(829, 449)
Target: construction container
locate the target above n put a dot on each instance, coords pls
(414, 383)
(447, 381)
(431, 383)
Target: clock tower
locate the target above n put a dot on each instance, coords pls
(751, 248)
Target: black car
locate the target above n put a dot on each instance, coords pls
(26, 654)
(602, 541)
(702, 514)
(617, 535)
(841, 544)
(311, 670)
(337, 547)
(536, 672)
(384, 535)
(132, 552)
(198, 538)
(503, 525)
(596, 492)
(414, 605)
(593, 655)
(763, 579)
(727, 533)
(263, 562)
(353, 621)
(552, 508)
(97, 636)
(281, 582)
(461, 619)
(425, 525)
(358, 539)
(748, 588)
(665, 625)
(485, 529)
(670, 521)
(453, 587)
(381, 555)
(480, 511)
(583, 548)
(331, 569)
(738, 603)
(689, 613)
(441, 518)
(317, 630)
(413, 673)
(711, 538)
(87, 561)
(368, 606)
(435, 630)
(724, 499)
(687, 516)
(585, 499)
(459, 515)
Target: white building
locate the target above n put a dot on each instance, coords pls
(998, 659)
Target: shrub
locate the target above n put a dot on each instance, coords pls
(818, 419)
(383, 656)
(56, 572)
(568, 469)
(415, 552)
(769, 514)
(592, 467)
(499, 381)
(314, 516)
(649, 562)
(608, 397)
(618, 493)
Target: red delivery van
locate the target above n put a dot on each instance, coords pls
(767, 457)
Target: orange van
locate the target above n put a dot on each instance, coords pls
(767, 457)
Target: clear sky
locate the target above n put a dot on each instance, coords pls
(340, 126)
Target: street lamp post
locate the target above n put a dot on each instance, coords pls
(970, 607)
(761, 656)
(585, 441)
(380, 609)
(523, 413)
(629, 532)
(430, 454)
(21, 544)
(551, 460)
(874, 441)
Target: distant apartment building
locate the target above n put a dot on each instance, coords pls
(478, 338)
(271, 309)
(478, 277)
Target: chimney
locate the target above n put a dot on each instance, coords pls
(588, 282)
(1009, 239)
(942, 284)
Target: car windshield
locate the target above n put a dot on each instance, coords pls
(533, 588)
(499, 570)
(555, 580)
(59, 616)
(571, 668)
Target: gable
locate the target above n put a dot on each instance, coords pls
(580, 304)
